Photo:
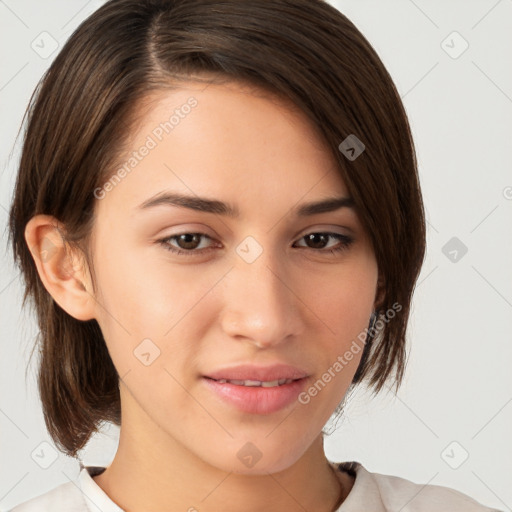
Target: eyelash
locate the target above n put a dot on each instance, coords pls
(345, 240)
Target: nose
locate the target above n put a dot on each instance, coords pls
(260, 301)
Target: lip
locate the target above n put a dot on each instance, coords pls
(257, 400)
(261, 373)
(254, 399)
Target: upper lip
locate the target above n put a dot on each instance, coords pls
(258, 373)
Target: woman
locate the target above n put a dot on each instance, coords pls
(219, 220)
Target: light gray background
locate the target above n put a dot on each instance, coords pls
(458, 382)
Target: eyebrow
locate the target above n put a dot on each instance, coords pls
(206, 205)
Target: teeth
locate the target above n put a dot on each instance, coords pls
(256, 383)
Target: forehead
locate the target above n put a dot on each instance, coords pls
(223, 140)
(230, 112)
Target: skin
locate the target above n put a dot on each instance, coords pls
(295, 304)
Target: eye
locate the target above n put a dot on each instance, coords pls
(321, 238)
(189, 244)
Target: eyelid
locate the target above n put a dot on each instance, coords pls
(326, 228)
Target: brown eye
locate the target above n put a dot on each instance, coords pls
(186, 243)
(319, 241)
(188, 240)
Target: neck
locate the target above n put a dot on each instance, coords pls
(146, 476)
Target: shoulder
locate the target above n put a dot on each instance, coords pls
(389, 493)
(79, 495)
(64, 497)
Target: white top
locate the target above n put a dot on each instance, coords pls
(371, 492)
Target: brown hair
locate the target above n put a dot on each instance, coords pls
(303, 50)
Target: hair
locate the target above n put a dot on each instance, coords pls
(83, 111)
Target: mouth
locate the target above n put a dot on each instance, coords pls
(255, 383)
(254, 396)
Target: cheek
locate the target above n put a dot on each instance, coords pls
(344, 300)
(345, 308)
(149, 306)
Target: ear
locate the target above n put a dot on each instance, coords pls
(380, 293)
(61, 268)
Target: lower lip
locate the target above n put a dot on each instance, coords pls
(257, 399)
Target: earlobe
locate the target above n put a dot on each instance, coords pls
(60, 268)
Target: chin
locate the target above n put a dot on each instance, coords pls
(253, 458)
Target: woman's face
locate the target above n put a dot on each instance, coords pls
(259, 288)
